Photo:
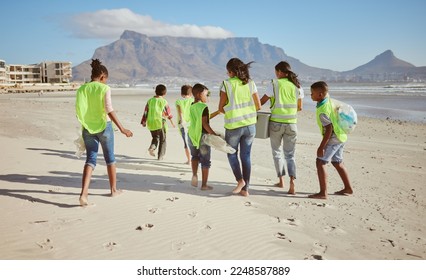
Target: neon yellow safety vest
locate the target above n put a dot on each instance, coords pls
(90, 106)
(240, 110)
(196, 126)
(155, 118)
(184, 105)
(284, 101)
(328, 109)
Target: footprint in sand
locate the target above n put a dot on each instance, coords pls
(248, 203)
(145, 227)
(193, 214)
(45, 244)
(178, 246)
(281, 235)
(110, 245)
(153, 210)
(292, 222)
(318, 252)
(294, 205)
(333, 229)
(173, 198)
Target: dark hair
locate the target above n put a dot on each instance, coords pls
(321, 85)
(198, 89)
(285, 67)
(239, 68)
(184, 89)
(98, 69)
(160, 90)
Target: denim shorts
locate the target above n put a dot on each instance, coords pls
(202, 154)
(333, 153)
(106, 139)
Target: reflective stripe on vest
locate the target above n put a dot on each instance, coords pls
(329, 109)
(196, 126)
(156, 107)
(90, 106)
(284, 103)
(240, 110)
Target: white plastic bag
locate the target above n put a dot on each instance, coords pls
(218, 143)
(346, 116)
(81, 148)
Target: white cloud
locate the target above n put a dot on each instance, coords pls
(110, 24)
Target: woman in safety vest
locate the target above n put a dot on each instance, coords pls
(239, 102)
(285, 95)
(95, 113)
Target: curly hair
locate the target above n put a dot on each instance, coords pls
(98, 69)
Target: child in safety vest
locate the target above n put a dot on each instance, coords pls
(154, 117)
(182, 108)
(199, 125)
(333, 141)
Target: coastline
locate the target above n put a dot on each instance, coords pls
(160, 216)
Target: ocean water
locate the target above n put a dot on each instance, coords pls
(395, 102)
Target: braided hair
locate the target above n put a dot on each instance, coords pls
(98, 69)
(240, 69)
(284, 67)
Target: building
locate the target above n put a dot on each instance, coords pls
(44, 72)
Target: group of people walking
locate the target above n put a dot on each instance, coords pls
(239, 102)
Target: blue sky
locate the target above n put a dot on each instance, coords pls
(332, 34)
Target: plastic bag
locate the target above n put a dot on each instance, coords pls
(346, 116)
(81, 148)
(218, 143)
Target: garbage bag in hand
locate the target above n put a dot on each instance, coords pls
(346, 116)
(218, 143)
(81, 147)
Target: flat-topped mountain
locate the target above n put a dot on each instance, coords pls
(136, 58)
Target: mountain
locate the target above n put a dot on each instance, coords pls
(138, 58)
(383, 67)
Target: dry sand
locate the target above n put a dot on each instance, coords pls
(161, 216)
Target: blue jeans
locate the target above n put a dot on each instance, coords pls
(91, 141)
(202, 154)
(285, 133)
(241, 137)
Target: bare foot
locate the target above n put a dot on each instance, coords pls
(116, 193)
(279, 185)
(244, 193)
(239, 186)
(151, 152)
(194, 181)
(344, 192)
(188, 162)
(83, 201)
(206, 188)
(291, 189)
(318, 196)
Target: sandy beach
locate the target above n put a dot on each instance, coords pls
(161, 216)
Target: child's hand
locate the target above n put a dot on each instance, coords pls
(127, 132)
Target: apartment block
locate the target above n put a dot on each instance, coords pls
(44, 72)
